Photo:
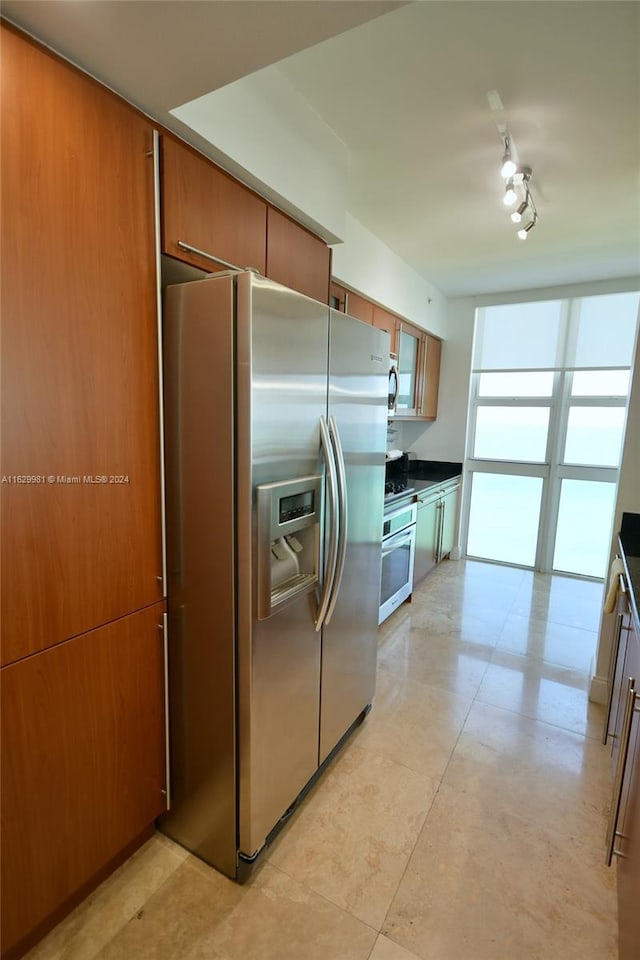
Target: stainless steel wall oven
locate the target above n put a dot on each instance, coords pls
(398, 554)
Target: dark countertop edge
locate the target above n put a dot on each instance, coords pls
(629, 543)
(435, 470)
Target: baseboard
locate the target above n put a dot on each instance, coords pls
(599, 690)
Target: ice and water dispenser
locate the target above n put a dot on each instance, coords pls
(288, 515)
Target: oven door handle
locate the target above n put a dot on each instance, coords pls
(388, 546)
(334, 435)
(332, 550)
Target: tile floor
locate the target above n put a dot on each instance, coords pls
(465, 819)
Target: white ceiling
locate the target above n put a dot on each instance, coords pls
(405, 87)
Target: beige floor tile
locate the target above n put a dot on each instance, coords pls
(386, 949)
(352, 839)
(200, 915)
(435, 654)
(542, 691)
(535, 770)
(280, 919)
(184, 911)
(109, 908)
(563, 600)
(489, 884)
(413, 723)
(552, 642)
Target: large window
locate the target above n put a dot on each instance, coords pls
(550, 386)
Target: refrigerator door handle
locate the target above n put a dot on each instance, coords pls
(332, 551)
(334, 434)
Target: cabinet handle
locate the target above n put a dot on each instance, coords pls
(210, 256)
(439, 533)
(155, 152)
(612, 829)
(164, 627)
(615, 649)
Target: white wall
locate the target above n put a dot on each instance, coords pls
(445, 438)
(365, 263)
(264, 132)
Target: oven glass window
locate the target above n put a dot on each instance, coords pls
(399, 521)
(396, 567)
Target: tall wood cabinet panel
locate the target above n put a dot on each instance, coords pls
(432, 354)
(384, 320)
(296, 257)
(359, 307)
(79, 354)
(208, 209)
(82, 763)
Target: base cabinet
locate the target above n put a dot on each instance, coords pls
(83, 767)
(623, 729)
(627, 839)
(435, 528)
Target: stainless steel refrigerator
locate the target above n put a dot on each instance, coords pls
(275, 417)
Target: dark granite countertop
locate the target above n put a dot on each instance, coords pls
(629, 541)
(433, 470)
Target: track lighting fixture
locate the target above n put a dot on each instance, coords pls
(517, 187)
(524, 232)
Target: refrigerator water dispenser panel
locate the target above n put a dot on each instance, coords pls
(288, 554)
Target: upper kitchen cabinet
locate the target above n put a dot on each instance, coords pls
(81, 538)
(297, 258)
(359, 307)
(419, 373)
(389, 322)
(337, 296)
(208, 218)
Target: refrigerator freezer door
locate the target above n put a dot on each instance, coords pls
(282, 343)
(358, 381)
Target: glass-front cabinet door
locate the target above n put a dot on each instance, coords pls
(409, 368)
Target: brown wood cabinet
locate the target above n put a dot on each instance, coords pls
(432, 352)
(389, 322)
(624, 826)
(297, 258)
(82, 686)
(79, 355)
(419, 356)
(337, 296)
(359, 307)
(208, 209)
(82, 766)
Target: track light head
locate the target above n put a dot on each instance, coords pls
(510, 195)
(524, 232)
(516, 216)
(508, 165)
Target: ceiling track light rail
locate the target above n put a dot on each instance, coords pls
(518, 189)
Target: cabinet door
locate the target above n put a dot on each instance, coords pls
(426, 536)
(82, 764)
(296, 258)
(79, 354)
(359, 307)
(386, 321)
(449, 514)
(409, 371)
(432, 349)
(628, 843)
(619, 679)
(337, 297)
(206, 208)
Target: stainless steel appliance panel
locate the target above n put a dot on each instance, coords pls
(200, 482)
(358, 385)
(282, 369)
